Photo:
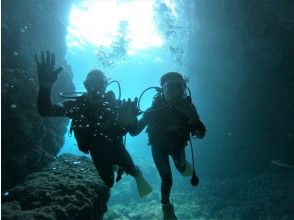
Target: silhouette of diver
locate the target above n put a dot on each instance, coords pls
(99, 121)
(170, 120)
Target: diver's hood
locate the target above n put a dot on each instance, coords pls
(174, 90)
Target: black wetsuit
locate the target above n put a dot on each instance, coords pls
(98, 120)
(168, 131)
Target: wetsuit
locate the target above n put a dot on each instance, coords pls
(168, 131)
(98, 119)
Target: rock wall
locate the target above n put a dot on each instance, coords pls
(29, 142)
(242, 56)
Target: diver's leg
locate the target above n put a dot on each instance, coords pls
(179, 159)
(124, 160)
(104, 167)
(161, 161)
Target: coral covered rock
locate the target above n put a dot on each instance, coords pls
(68, 188)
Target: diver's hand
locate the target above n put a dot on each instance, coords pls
(198, 129)
(47, 74)
(128, 113)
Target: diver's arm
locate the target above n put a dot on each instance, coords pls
(188, 109)
(47, 76)
(46, 108)
(44, 102)
(135, 130)
(197, 128)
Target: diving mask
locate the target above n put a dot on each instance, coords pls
(174, 91)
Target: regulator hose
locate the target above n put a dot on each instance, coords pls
(158, 89)
(194, 179)
(71, 95)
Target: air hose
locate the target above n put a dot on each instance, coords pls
(70, 95)
(158, 89)
(76, 95)
(119, 87)
(194, 179)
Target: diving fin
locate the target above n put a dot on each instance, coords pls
(143, 186)
(188, 171)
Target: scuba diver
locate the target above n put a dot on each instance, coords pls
(99, 121)
(170, 120)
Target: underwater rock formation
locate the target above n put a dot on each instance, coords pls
(68, 188)
(264, 196)
(242, 56)
(29, 142)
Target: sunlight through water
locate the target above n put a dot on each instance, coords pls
(103, 23)
(132, 41)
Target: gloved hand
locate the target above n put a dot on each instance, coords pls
(198, 129)
(128, 113)
(47, 75)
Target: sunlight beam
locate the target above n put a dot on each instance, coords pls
(98, 23)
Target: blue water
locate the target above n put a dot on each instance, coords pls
(134, 72)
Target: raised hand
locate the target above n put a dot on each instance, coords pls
(47, 74)
(128, 113)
